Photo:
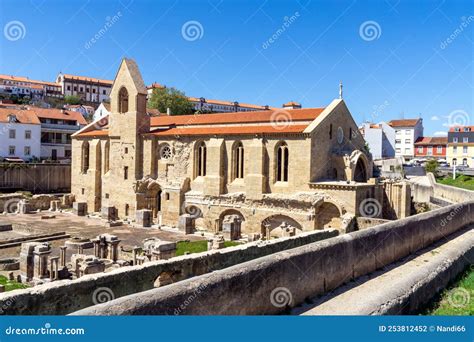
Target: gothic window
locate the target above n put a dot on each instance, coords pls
(238, 160)
(282, 162)
(123, 100)
(200, 159)
(107, 157)
(85, 156)
(330, 131)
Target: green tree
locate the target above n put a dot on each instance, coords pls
(72, 100)
(432, 166)
(172, 98)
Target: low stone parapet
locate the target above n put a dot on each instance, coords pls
(66, 296)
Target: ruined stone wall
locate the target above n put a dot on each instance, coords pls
(36, 178)
(250, 288)
(66, 296)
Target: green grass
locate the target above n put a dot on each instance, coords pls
(11, 285)
(457, 300)
(197, 246)
(462, 181)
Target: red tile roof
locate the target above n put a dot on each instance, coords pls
(431, 141)
(230, 130)
(94, 133)
(404, 123)
(264, 116)
(461, 128)
(60, 114)
(87, 79)
(23, 116)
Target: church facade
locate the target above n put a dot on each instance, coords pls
(303, 168)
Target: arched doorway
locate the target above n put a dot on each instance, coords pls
(327, 215)
(276, 226)
(229, 212)
(360, 171)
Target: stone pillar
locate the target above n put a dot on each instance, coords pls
(255, 179)
(108, 213)
(79, 208)
(135, 253)
(231, 227)
(63, 256)
(54, 268)
(24, 206)
(143, 217)
(113, 248)
(41, 254)
(214, 180)
(186, 223)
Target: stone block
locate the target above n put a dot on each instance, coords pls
(24, 207)
(5, 227)
(79, 208)
(143, 217)
(108, 213)
(186, 224)
(231, 227)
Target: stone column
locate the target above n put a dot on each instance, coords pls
(113, 248)
(135, 252)
(63, 256)
(54, 268)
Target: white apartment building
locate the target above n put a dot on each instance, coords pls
(407, 131)
(380, 138)
(88, 89)
(23, 86)
(20, 134)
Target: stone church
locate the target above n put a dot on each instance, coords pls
(302, 169)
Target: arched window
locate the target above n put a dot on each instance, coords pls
(464, 161)
(200, 159)
(238, 161)
(455, 161)
(107, 157)
(85, 157)
(282, 162)
(123, 100)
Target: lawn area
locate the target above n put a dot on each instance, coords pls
(458, 299)
(11, 285)
(462, 181)
(197, 246)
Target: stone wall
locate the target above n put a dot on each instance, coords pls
(261, 286)
(422, 193)
(37, 178)
(65, 296)
(9, 202)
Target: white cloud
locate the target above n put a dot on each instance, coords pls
(440, 134)
(435, 118)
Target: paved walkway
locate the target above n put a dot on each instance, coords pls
(374, 293)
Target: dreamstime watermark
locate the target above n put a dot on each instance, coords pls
(458, 118)
(11, 206)
(377, 110)
(14, 30)
(192, 209)
(370, 30)
(192, 30)
(370, 207)
(459, 297)
(280, 119)
(179, 310)
(46, 330)
(102, 295)
(446, 220)
(287, 21)
(465, 22)
(109, 22)
(281, 297)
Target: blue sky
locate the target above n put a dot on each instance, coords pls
(393, 57)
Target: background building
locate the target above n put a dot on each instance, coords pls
(407, 131)
(431, 147)
(20, 134)
(460, 149)
(92, 90)
(380, 138)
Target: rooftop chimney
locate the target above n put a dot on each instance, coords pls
(168, 111)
